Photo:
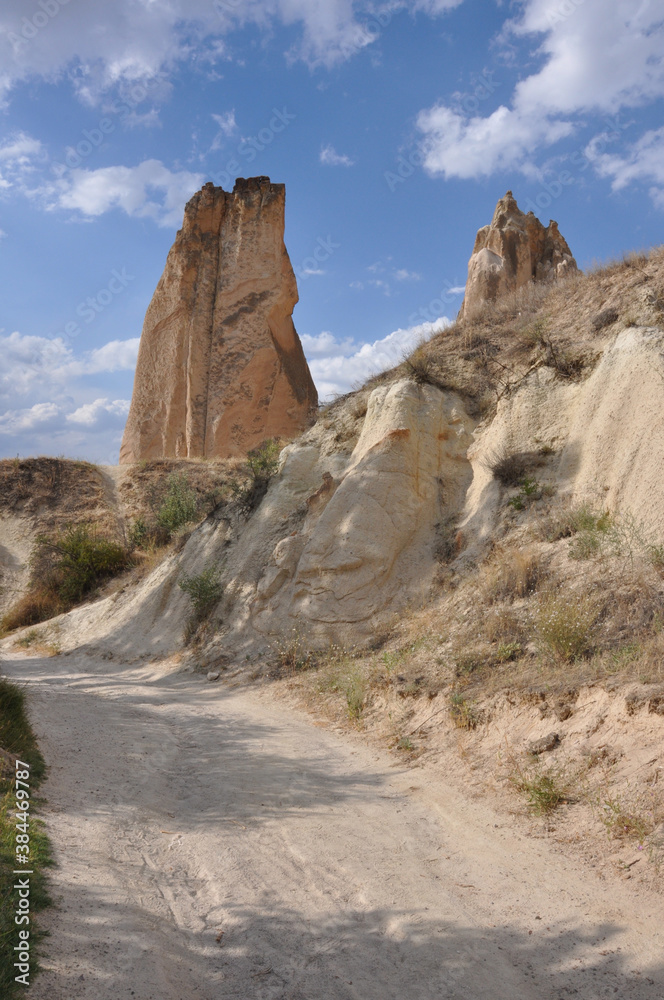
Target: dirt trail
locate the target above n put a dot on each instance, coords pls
(213, 844)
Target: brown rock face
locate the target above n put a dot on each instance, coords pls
(220, 365)
(513, 251)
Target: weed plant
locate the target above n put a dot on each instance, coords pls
(204, 591)
(18, 739)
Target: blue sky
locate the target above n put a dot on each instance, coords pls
(395, 126)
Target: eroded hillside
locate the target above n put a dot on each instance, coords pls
(476, 535)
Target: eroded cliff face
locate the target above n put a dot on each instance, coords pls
(349, 533)
(514, 250)
(220, 365)
(365, 545)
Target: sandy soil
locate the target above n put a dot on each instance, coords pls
(212, 844)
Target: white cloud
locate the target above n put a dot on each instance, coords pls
(148, 190)
(404, 275)
(596, 57)
(336, 366)
(643, 161)
(26, 360)
(227, 128)
(326, 344)
(18, 421)
(20, 154)
(457, 146)
(310, 272)
(602, 56)
(112, 42)
(20, 148)
(330, 158)
(101, 413)
(29, 363)
(116, 356)
(436, 6)
(55, 402)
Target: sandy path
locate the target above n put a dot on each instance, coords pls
(180, 810)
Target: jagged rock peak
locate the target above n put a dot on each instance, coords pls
(514, 250)
(220, 365)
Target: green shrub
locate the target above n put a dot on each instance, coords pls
(146, 536)
(76, 561)
(656, 557)
(179, 506)
(545, 790)
(29, 638)
(529, 491)
(263, 461)
(67, 567)
(138, 534)
(508, 651)
(262, 465)
(355, 690)
(204, 591)
(592, 530)
(464, 714)
(82, 560)
(16, 735)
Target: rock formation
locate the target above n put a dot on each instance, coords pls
(513, 251)
(220, 365)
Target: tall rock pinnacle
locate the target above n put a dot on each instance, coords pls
(513, 251)
(220, 365)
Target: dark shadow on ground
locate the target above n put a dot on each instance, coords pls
(274, 953)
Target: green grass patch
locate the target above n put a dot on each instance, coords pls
(17, 737)
(67, 567)
(204, 591)
(544, 789)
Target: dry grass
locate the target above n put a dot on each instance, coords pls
(562, 326)
(144, 485)
(511, 467)
(566, 625)
(38, 605)
(54, 492)
(512, 573)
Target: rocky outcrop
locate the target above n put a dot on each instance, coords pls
(362, 549)
(606, 435)
(513, 251)
(220, 365)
